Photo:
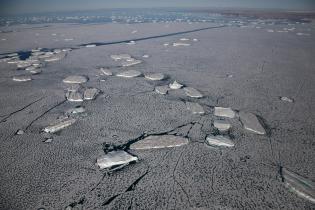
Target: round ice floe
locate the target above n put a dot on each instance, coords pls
(158, 142)
(129, 74)
(75, 79)
(219, 141)
(175, 85)
(155, 76)
(192, 92)
(22, 78)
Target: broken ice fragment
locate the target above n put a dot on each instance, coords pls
(59, 126)
(184, 39)
(175, 85)
(155, 76)
(195, 108)
(195, 40)
(162, 89)
(287, 99)
(130, 62)
(35, 71)
(145, 56)
(129, 74)
(75, 79)
(131, 43)
(222, 125)
(22, 78)
(19, 132)
(115, 158)
(90, 45)
(251, 123)
(106, 72)
(158, 142)
(120, 57)
(180, 44)
(192, 92)
(303, 187)
(74, 88)
(74, 96)
(76, 110)
(90, 94)
(224, 112)
(219, 141)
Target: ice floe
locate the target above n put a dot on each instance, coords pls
(90, 93)
(90, 45)
(287, 99)
(175, 85)
(130, 62)
(195, 108)
(219, 141)
(251, 123)
(115, 158)
(303, 187)
(129, 74)
(224, 112)
(74, 96)
(120, 57)
(59, 126)
(75, 79)
(222, 125)
(159, 142)
(22, 78)
(106, 72)
(176, 44)
(162, 89)
(155, 76)
(192, 92)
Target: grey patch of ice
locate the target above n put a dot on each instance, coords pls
(270, 30)
(145, 56)
(303, 187)
(35, 71)
(129, 74)
(195, 40)
(74, 96)
(176, 44)
(162, 89)
(135, 31)
(90, 93)
(74, 88)
(130, 62)
(195, 108)
(106, 72)
(219, 141)
(120, 57)
(184, 39)
(115, 158)
(75, 79)
(303, 34)
(166, 44)
(131, 43)
(222, 125)
(59, 126)
(48, 140)
(251, 123)
(76, 110)
(192, 92)
(20, 132)
(224, 112)
(175, 85)
(287, 99)
(90, 45)
(155, 76)
(159, 142)
(22, 78)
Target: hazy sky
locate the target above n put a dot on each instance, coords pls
(9, 6)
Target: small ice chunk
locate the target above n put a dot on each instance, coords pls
(195, 108)
(90, 45)
(145, 56)
(158, 142)
(166, 44)
(222, 125)
(155, 76)
(22, 78)
(115, 158)
(180, 44)
(251, 123)
(162, 89)
(134, 31)
(106, 72)
(35, 71)
(129, 74)
(20, 132)
(303, 187)
(287, 99)
(76, 110)
(192, 92)
(130, 62)
(184, 39)
(120, 57)
(131, 43)
(75, 79)
(74, 96)
(195, 40)
(219, 141)
(90, 93)
(74, 88)
(224, 112)
(59, 126)
(175, 85)
(270, 30)
(48, 140)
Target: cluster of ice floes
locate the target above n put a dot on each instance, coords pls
(32, 62)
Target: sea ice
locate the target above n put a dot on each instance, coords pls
(120, 57)
(195, 108)
(180, 44)
(130, 62)
(155, 76)
(59, 126)
(184, 39)
(192, 92)
(115, 158)
(74, 96)
(303, 187)
(90, 93)
(20, 132)
(145, 56)
(162, 89)
(90, 45)
(129, 74)
(219, 141)
(222, 125)
(76, 110)
(158, 142)
(75, 79)
(175, 85)
(251, 123)
(287, 99)
(106, 72)
(224, 112)
(22, 78)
